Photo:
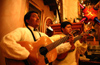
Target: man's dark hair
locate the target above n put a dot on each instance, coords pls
(27, 16)
(63, 24)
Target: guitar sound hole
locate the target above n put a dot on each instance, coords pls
(43, 50)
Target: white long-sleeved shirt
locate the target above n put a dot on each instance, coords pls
(11, 49)
(63, 47)
(70, 59)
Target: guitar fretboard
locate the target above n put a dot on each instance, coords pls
(56, 43)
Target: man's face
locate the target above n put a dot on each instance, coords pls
(34, 20)
(67, 29)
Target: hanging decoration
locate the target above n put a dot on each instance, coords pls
(89, 14)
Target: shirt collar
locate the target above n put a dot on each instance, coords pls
(32, 28)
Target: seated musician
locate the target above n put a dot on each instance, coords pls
(10, 47)
(68, 57)
(49, 30)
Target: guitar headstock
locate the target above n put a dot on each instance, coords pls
(88, 32)
(92, 31)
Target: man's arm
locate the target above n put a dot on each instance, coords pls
(11, 49)
(63, 47)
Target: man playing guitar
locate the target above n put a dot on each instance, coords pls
(68, 57)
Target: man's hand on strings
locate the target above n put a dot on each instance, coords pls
(71, 39)
(84, 38)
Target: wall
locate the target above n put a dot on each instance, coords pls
(12, 13)
(70, 9)
(11, 17)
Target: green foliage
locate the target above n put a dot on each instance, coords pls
(54, 19)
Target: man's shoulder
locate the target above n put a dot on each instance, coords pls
(21, 28)
(43, 34)
(57, 36)
(61, 35)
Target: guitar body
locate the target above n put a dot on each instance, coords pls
(35, 58)
(63, 55)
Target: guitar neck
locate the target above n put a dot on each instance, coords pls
(81, 35)
(77, 38)
(56, 43)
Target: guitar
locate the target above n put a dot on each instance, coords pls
(42, 51)
(63, 55)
